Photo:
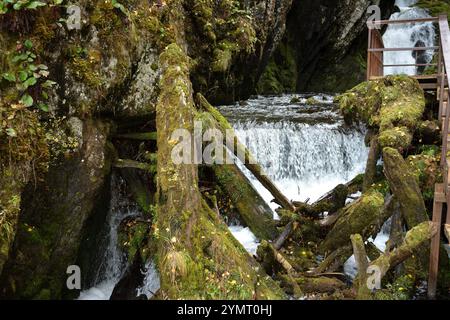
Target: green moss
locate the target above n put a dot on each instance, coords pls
(435, 7)
(280, 75)
(393, 105)
(364, 216)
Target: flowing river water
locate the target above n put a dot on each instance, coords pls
(304, 147)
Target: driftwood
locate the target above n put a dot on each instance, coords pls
(249, 161)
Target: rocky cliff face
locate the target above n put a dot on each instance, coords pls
(324, 46)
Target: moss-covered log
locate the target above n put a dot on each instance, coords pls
(254, 211)
(414, 239)
(365, 216)
(198, 258)
(405, 187)
(393, 106)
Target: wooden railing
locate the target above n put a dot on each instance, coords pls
(376, 49)
(375, 69)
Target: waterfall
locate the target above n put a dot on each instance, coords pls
(306, 150)
(407, 36)
(113, 261)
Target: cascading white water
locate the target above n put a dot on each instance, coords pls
(407, 36)
(113, 260)
(305, 150)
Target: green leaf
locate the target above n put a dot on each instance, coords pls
(9, 77)
(35, 4)
(43, 107)
(27, 100)
(23, 76)
(28, 44)
(31, 81)
(11, 132)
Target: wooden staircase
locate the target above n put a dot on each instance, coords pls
(438, 83)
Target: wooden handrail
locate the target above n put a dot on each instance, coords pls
(383, 22)
(445, 44)
(403, 49)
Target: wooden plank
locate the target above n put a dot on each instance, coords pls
(409, 65)
(447, 231)
(435, 246)
(429, 86)
(420, 20)
(403, 49)
(439, 195)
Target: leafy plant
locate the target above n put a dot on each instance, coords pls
(9, 5)
(29, 75)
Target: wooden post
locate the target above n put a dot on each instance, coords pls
(369, 54)
(439, 198)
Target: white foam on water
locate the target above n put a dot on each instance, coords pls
(151, 283)
(305, 150)
(406, 36)
(246, 238)
(113, 260)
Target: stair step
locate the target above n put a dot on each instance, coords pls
(444, 108)
(439, 94)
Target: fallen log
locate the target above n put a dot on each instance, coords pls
(414, 239)
(279, 242)
(334, 260)
(371, 167)
(240, 150)
(127, 163)
(272, 260)
(253, 210)
(364, 216)
(314, 285)
(405, 187)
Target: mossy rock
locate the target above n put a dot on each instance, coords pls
(392, 105)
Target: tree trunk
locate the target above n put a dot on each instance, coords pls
(193, 243)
